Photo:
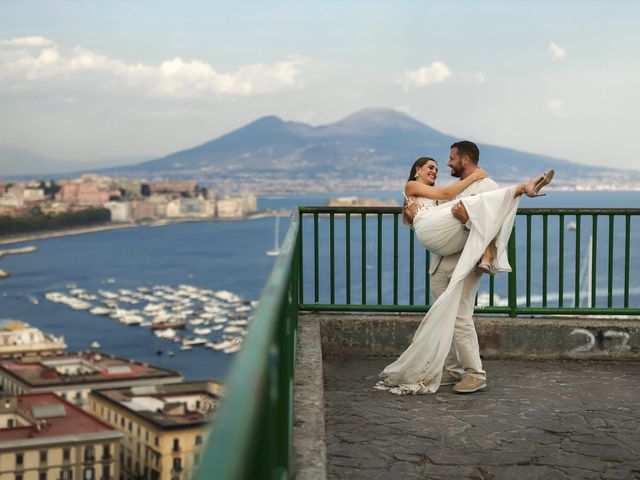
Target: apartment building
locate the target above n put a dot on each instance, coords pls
(74, 375)
(44, 437)
(18, 339)
(165, 426)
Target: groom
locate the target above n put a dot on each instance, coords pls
(463, 366)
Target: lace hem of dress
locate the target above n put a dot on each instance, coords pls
(404, 388)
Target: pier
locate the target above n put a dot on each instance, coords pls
(15, 251)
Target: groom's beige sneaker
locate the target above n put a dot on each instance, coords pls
(449, 378)
(470, 384)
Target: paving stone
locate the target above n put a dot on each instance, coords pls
(616, 473)
(537, 420)
(529, 472)
(583, 462)
(447, 472)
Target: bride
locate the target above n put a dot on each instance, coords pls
(491, 214)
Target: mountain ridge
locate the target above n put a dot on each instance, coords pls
(372, 149)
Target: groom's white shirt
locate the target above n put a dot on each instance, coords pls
(484, 185)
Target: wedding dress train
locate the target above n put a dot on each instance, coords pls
(419, 368)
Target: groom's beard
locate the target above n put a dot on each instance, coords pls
(456, 172)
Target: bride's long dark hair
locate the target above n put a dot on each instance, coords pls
(417, 164)
(412, 176)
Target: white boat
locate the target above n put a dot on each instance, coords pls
(185, 347)
(241, 323)
(131, 319)
(228, 296)
(54, 296)
(108, 294)
(219, 346)
(233, 329)
(232, 349)
(276, 248)
(202, 331)
(194, 341)
(78, 304)
(166, 333)
(95, 344)
(33, 299)
(100, 311)
(236, 344)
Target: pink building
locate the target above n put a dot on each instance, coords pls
(85, 193)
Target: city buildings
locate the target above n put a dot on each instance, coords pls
(18, 339)
(74, 375)
(165, 426)
(128, 200)
(42, 436)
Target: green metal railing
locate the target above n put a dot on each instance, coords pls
(388, 262)
(252, 433)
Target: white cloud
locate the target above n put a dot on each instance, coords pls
(175, 78)
(437, 72)
(557, 52)
(557, 108)
(26, 42)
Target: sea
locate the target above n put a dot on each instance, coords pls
(216, 255)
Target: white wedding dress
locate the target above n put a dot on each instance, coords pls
(419, 368)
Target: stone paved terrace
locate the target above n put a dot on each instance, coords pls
(542, 420)
(570, 411)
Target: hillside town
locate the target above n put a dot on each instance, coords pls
(92, 415)
(127, 200)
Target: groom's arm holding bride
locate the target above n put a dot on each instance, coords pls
(484, 185)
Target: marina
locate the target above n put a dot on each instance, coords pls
(184, 314)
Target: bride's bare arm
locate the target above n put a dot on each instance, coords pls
(418, 189)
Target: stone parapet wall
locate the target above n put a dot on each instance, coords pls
(500, 337)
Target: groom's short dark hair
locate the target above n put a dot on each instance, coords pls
(470, 149)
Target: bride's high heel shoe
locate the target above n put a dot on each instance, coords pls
(533, 187)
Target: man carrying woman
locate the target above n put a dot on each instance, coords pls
(465, 238)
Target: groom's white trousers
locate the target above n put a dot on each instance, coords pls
(464, 355)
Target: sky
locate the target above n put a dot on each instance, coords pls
(89, 80)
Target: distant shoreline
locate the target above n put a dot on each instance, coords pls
(63, 233)
(101, 228)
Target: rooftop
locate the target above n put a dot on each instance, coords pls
(176, 405)
(48, 415)
(81, 368)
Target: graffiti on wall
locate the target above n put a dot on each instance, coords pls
(608, 341)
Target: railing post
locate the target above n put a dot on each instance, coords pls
(513, 283)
